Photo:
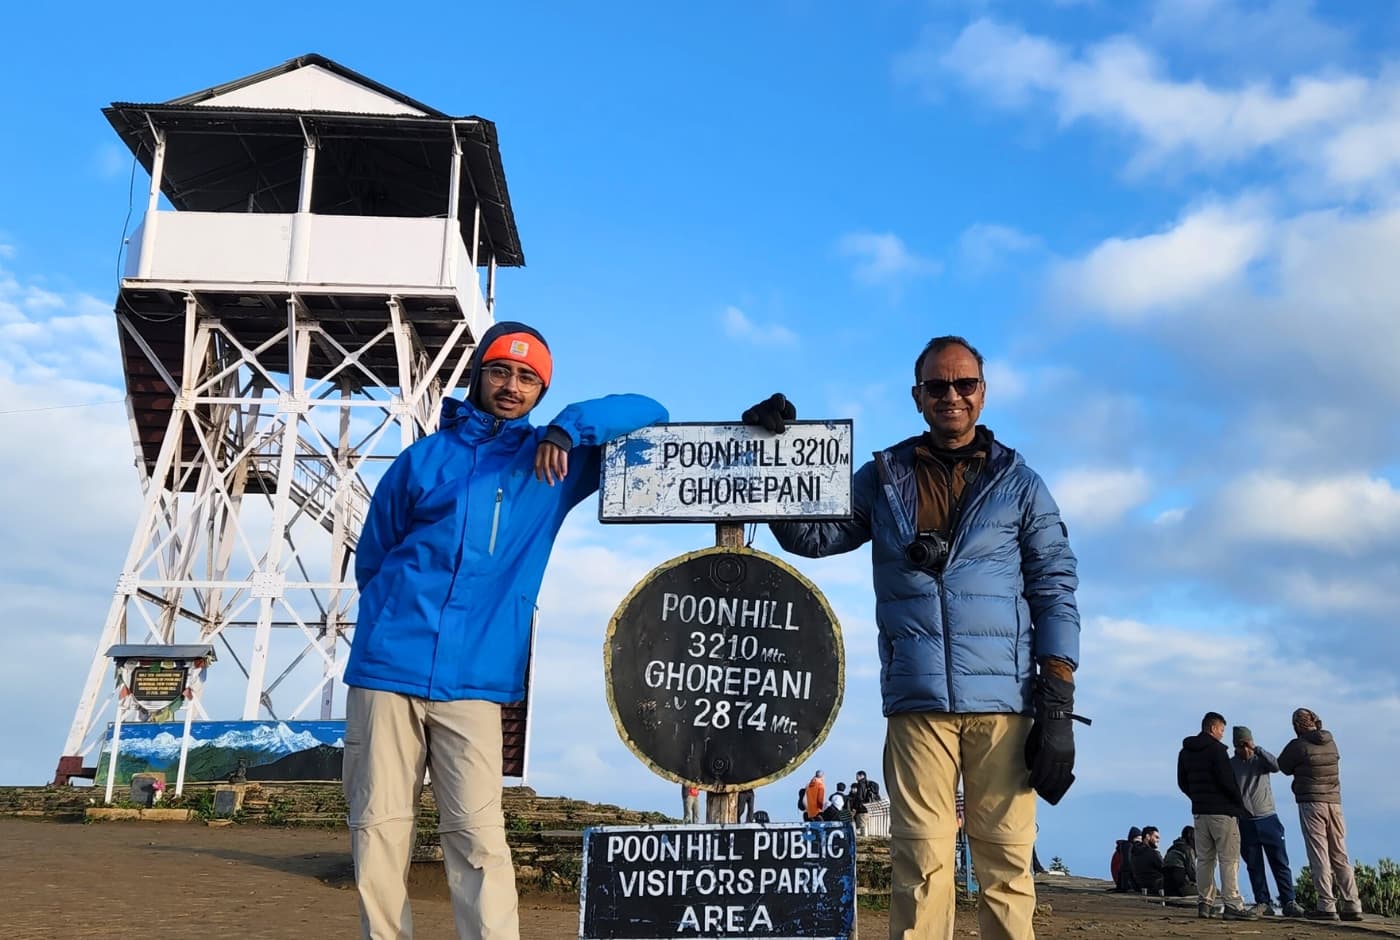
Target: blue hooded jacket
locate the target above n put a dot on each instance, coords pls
(455, 544)
(964, 641)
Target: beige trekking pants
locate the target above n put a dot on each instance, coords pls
(389, 740)
(925, 754)
(1218, 839)
(1325, 836)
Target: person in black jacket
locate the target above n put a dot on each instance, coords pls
(1179, 865)
(1204, 774)
(1122, 864)
(863, 792)
(1147, 862)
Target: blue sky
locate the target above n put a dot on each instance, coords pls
(1169, 225)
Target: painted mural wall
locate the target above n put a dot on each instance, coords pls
(270, 750)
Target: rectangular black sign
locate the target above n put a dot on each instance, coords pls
(737, 882)
(159, 682)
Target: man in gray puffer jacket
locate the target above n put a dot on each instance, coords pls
(978, 639)
(1311, 759)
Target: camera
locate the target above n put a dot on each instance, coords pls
(928, 551)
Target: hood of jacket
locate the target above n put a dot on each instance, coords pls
(1200, 742)
(1317, 736)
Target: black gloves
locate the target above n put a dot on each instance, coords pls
(771, 413)
(1050, 745)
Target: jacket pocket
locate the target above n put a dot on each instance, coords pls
(377, 638)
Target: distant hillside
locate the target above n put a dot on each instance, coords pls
(322, 762)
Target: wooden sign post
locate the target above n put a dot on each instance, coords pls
(724, 807)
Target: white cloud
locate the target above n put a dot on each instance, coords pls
(1249, 33)
(1362, 593)
(1350, 513)
(1095, 497)
(738, 325)
(1206, 251)
(1150, 682)
(70, 497)
(1326, 120)
(882, 258)
(986, 246)
(1004, 380)
(1146, 685)
(1314, 291)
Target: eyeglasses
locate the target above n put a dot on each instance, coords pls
(939, 387)
(500, 375)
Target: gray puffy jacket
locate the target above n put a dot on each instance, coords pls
(966, 640)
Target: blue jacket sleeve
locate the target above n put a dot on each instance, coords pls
(818, 539)
(386, 524)
(587, 425)
(1050, 572)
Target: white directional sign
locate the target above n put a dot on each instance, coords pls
(728, 473)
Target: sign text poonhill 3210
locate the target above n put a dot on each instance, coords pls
(728, 473)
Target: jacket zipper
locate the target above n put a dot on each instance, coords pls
(902, 521)
(495, 521)
(958, 514)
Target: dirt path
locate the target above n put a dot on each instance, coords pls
(191, 882)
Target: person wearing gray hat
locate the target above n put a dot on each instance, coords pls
(1261, 832)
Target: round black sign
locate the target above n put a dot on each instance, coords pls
(724, 668)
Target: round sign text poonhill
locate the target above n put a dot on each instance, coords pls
(724, 668)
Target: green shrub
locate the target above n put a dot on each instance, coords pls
(1378, 887)
(277, 812)
(1306, 891)
(201, 801)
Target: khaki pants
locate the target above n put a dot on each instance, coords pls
(1218, 839)
(925, 754)
(1325, 835)
(389, 740)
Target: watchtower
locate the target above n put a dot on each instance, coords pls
(292, 315)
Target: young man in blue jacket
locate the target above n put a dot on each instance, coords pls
(979, 639)
(449, 566)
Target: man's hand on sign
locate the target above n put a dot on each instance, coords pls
(772, 413)
(551, 463)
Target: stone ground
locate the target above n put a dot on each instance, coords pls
(178, 881)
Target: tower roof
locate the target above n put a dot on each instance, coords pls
(238, 147)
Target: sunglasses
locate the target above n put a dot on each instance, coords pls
(939, 387)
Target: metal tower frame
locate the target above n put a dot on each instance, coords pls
(196, 567)
(261, 399)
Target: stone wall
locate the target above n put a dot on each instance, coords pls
(545, 832)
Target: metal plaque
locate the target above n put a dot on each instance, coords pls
(724, 668)
(728, 473)
(742, 882)
(156, 685)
